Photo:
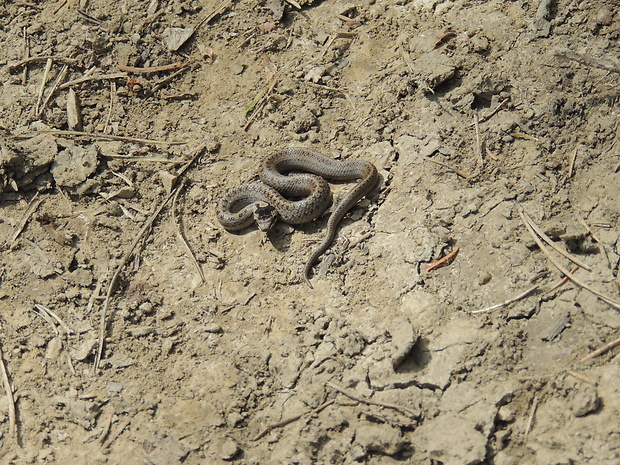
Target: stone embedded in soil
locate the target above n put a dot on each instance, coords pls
(84, 348)
(381, 439)
(81, 412)
(451, 440)
(478, 403)
(34, 157)
(74, 165)
(164, 451)
(53, 348)
(404, 337)
(229, 449)
(585, 401)
(304, 119)
(433, 69)
(445, 352)
(505, 414)
(39, 262)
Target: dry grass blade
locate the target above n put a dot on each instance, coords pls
(546, 238)
(46, 73)
(32, 207)
(478, 141)
(119, 268)
(61, 77)
(147, 226)
(260, 103)
(62, 324)
(177, 228)
(598, 242)
(42, 314)
(566, 273)
(571, 163)
(582, 377)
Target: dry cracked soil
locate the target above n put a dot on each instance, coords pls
(135, 329)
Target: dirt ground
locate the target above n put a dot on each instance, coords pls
(473, 112)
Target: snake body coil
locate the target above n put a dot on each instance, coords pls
(263, 202)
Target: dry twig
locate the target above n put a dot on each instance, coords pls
(366, 400)
(530, 420)
(145, 159)
(116, 434)
(9, 395)
(289, 420)
(583, 378)
(106, 428)
(154, 69)
(602, 350)
(601, 63)
(443, 260)
(562, 281)
(39, 59)
(490, 115)
(93, 77)
(523, 295)
(445, 165)
(95, 136)
(167, 79)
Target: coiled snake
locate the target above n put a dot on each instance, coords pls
(264, 202)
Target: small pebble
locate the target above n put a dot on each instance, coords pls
(505, 414)
(53, 349)
(484, 278)
(229, 449)
(114, 387)
(585, 402)
(212, 328)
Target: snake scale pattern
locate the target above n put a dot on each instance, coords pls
(296, 172)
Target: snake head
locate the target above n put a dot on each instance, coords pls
(265, 216)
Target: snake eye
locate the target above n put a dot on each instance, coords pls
(265, 216)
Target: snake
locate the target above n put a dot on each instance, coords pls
(292, 187)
